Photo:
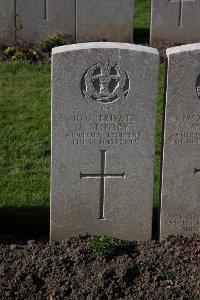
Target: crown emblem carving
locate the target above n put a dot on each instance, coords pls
(105, 83)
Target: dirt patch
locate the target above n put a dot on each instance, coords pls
(71, 270)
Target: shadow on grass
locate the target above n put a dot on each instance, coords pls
(141, 35)
(155, 224)
(31, 222)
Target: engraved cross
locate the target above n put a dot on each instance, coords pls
(103, 176)
(181, 2)
(45, 10)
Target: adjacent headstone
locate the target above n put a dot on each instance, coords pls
(83, 20)
(104, 20)
(180, 199)
(103, 140)
(30, 21)
(7, 26)
(175, 21)
(37, 19)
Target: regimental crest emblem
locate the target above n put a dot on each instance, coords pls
(105, 85)
(198, 86)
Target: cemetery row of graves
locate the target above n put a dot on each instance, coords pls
(104, 142)
(107, 142)
(104, 103)
(172, 21)
(104, 156)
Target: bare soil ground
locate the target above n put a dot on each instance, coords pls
(71, 270)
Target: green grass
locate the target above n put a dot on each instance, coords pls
(103, 246)
(142, 14)
(159, 136)
(142, 21)
(24, 135)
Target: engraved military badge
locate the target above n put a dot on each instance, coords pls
(105, 85)
(198, 86)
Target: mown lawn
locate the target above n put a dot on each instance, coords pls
(142, 14)
(25, 140)
(25, 133)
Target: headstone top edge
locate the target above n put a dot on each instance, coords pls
(184, 48)
(104, 45)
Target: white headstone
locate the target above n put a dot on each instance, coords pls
(180, 199)
(7, 28)
(175, 21)
(37, 19)
(105, 20)
(103, 140)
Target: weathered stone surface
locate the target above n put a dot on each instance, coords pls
(180, 200)
(38, 19)
(175, 21)
(107, 20)
(30, 21)
(7, 28)
(103, 132)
